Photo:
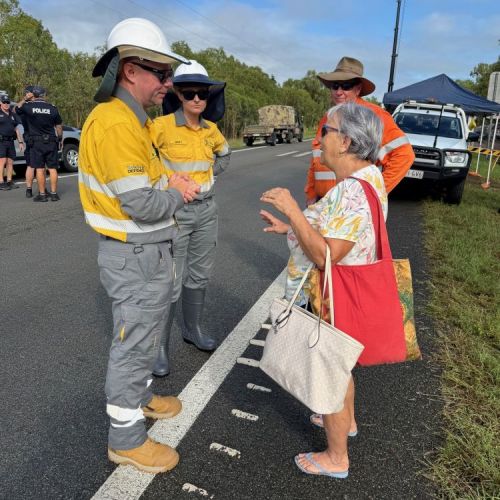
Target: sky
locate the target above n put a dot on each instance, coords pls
(286, 38)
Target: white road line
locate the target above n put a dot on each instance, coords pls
(225, 449)
(191, 488)
(260, 343)
(288, 153)
(255, 387)
(244, 415)
(59, 177)
(266, 326)
(249, 362)
(127, 482)
(253, 148)
(302, 154)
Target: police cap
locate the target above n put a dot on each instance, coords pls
(38, 91)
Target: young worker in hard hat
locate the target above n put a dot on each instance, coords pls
(130, 203)
(190, 142)
(347, 83)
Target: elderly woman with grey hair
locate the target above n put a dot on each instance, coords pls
(342, 220)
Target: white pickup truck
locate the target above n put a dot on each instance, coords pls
(438, 134)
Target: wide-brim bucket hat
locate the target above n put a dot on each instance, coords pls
(348, 68)
(196, 74)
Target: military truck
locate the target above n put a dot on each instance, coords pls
(277, 124)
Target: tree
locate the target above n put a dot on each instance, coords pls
(480, 78)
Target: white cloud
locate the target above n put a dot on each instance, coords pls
(282, 38)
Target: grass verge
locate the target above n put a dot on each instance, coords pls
(464, 244)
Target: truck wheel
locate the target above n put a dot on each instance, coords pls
(280, 139)
(454, 193)
(70, 157)
(289, 137)
(249, 142)
(300, 137)
(272, 140)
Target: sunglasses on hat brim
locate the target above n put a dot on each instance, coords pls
(346, 85)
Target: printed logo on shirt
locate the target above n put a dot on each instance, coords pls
(134, 169)
(210, 143)
(41, 111)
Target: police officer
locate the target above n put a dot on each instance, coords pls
(45, 131)
(9, 131)
(30, 171)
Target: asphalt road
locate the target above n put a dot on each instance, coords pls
(55, 321)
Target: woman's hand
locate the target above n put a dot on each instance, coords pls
(275, 225)
(282, 200)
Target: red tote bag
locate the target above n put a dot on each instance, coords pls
(366, 300)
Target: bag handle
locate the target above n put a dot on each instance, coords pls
(380, 228)
(328, 279)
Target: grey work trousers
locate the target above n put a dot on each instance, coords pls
(139, 281)
(195, 245)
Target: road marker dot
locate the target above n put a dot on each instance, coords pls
(244, 415)
(225, 449)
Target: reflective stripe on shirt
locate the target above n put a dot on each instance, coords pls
(188, 166)
(99, 221)
(391, 146)
(126, 184)
(92, 183)
(324, 176)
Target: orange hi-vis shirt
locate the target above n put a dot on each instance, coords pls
(395, 156)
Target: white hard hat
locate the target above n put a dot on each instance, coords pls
(193, 72)
(140, 38)
(189, 69)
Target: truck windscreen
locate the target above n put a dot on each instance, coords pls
(415, 123)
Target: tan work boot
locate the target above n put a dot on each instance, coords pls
(162, 407)
(149, 457)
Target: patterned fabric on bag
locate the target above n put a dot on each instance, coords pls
(405, 289)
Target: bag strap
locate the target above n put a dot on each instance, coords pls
(380, 228)
(328, 281)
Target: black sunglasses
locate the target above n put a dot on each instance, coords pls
(344, 85)
(326, 128)
(5, 102)
(162, 74)
(189, 94)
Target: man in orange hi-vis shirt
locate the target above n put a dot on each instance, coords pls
(395, 157)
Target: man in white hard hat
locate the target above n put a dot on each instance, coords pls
(130, 203)
(189, 141)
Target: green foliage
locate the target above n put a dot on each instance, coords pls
(28, 56)
(480, 78)
(464, 241)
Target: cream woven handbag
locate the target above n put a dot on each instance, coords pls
(308, 357)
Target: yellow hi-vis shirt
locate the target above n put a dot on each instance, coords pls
(121, 179)
(183, 149)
